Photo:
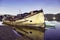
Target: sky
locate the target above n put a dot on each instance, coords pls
(15, 7)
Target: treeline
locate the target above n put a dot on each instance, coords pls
(52, 17)
(2, 16)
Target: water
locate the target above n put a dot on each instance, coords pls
(53, 33)
(1, 23)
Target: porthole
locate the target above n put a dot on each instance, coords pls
(30, 32)
(30, 20)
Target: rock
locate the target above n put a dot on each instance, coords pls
(6, 33)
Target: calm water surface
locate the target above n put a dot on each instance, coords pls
(53, 33)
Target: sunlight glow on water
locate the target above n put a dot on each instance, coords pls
(1, 23)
